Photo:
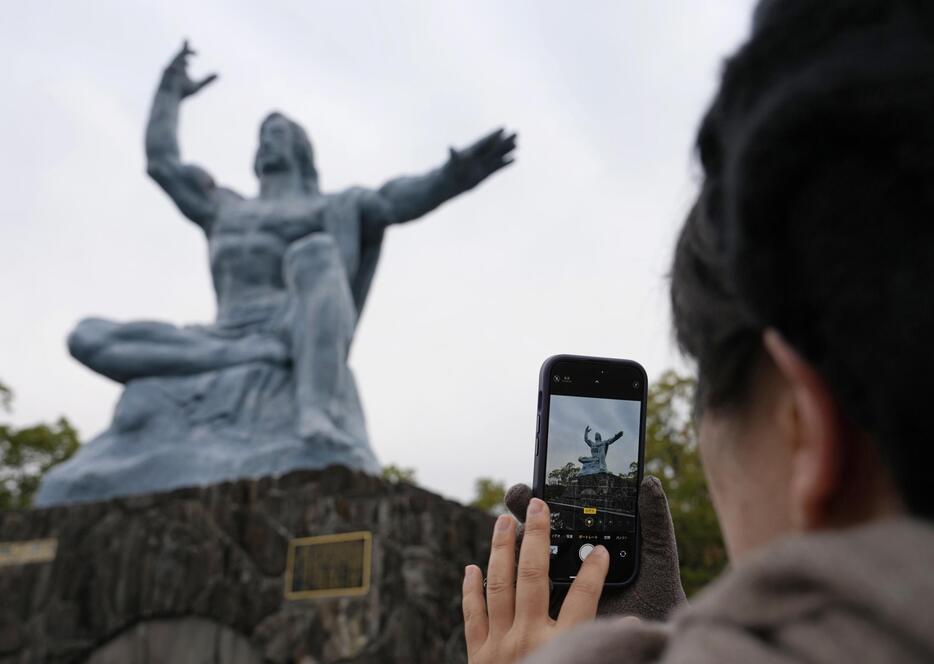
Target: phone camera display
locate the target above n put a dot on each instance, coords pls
(591, 476)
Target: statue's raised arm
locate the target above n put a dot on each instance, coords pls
(192, 189)
(614, 438)
(587, 437)
(406, 198)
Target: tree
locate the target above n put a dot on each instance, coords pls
(489, 496)
(563, 475)
(671, 455)
(27, 454)
(396, 474)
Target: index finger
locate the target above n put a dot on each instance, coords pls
(580, 604)
(532, 587)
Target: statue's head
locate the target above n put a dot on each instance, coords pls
(597, 437)
(284, 146)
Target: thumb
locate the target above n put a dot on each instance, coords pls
(207, 80)
(657, 529)
(659, 581)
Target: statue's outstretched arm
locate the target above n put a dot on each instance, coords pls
(192, 189)
(614, 438)
(407, 198)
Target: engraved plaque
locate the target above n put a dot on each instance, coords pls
(30, 551)
(328, 565)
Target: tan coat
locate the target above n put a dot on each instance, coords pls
(860, 595)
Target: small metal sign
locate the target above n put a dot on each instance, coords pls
(26, 552)
(329, 565)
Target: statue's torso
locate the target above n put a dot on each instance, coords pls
(600, 451)
(249, 238)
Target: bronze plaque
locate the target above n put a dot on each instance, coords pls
(30, 551)
(328, 565)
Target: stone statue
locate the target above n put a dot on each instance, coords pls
(596, 462)
(266, 387)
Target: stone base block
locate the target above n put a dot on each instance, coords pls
(197, 575)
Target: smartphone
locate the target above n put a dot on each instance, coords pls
(589, 460)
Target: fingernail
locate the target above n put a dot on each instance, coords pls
(536, 506)
(601, 551)
(468, 573)
(502, 522)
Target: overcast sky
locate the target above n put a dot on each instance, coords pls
(568, 418)
(564, 252)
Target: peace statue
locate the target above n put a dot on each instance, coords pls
(266, 387)
(595, 462)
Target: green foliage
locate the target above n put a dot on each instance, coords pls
(26, 454)
(396, 474)
(564, 475)
(489, 495)
(672, 456)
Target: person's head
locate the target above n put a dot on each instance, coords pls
(284, 147)
(803, 276)
(597, 437)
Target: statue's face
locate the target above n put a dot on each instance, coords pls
(597, 437)
(275, 152)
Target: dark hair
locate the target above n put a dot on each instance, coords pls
(816, 218)
(301, 148)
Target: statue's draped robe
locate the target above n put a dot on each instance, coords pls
(240, 421)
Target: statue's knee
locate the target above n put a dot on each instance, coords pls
(87, 338)
(310, 258)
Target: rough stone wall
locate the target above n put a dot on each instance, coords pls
(196, 575)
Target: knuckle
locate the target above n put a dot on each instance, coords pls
(532, 571)
(587, 588)
(501, 541)
(536, 525)
(524, 642)
(497, 585)
(470, 613)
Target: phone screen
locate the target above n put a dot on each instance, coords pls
(592, 468)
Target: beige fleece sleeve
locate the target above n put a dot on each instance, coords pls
(605, 641)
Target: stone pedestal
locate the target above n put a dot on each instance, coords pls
(197, 575)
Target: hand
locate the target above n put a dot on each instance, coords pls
(514, 619)
(176, 76)
(657, 590)
(469, 167)
(586, 430)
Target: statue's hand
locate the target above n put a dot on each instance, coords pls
(657, 590)
(176, 76)
(469, 167)
(587, 429)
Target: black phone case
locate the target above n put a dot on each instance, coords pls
(541, 438)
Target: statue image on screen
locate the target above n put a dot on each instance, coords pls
(596, 461)
(594, 492)
(266, 387)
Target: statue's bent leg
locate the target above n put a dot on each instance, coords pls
(124, 351)
(322, 326)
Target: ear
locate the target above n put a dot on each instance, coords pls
(817, 436)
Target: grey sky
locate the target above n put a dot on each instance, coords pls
(570, 415)
(564, 252)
